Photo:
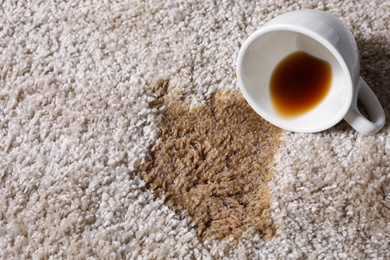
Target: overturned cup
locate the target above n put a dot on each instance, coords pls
(269, 71)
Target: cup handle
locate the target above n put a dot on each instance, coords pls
(373, 107)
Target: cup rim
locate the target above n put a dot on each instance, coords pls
(317, 37)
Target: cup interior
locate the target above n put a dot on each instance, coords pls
(261, 54)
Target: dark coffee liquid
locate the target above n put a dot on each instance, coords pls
(299, 83)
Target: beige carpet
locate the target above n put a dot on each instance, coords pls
(123, 135)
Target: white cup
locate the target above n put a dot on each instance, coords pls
(321, 35)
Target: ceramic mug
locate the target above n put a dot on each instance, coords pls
(325, 37)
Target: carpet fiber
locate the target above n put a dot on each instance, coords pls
(123, 135)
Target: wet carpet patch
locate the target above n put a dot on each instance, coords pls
(212, 163)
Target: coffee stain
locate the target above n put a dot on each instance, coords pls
(212, 164)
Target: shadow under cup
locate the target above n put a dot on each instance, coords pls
(258, 61)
